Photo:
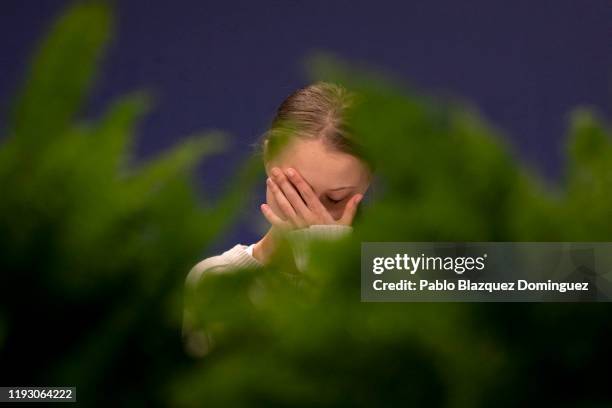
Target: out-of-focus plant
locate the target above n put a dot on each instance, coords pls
(444, 174)
(94, 249)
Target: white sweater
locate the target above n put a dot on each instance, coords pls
(241, 256)
(198, 341)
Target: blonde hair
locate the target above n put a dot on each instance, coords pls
(318, 111)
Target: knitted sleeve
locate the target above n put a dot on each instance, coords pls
(235, 258)
(300, 240)
(197, 341)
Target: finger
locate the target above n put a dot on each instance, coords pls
(284, 204)
(274, 219)
(274, 204)
(350, 210)
(306, 191)
(291, 193)
(280, 199)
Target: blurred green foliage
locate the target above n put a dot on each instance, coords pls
(94, 250)
(93, 247)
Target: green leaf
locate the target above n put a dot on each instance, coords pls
(177, 161)
(61, 74)
(111, 139)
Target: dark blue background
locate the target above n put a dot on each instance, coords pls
(227, 65)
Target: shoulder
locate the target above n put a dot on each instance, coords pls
(235, 258)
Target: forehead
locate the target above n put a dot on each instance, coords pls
(321, 166)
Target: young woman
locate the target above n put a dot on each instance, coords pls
(316, 178)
